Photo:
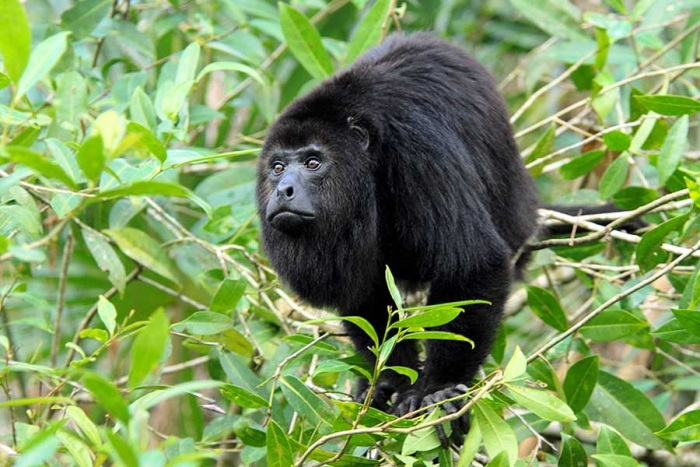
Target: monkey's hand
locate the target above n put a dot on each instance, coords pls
(383, 392)
(414, 399)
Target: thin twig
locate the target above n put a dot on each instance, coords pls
(61, 300)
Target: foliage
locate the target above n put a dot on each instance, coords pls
(142, 326)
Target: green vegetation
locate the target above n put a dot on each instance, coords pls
(141, 326)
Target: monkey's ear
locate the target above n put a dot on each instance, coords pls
(359, 131)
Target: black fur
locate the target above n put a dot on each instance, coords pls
(419, 171)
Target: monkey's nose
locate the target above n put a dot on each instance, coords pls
(286, 191)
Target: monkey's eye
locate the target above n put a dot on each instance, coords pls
(312, 163)
(278, 168)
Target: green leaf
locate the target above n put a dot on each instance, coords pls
(613, 324)
(393, 289)
(233, 341)
(141, 109)
(357, 321)
(617, 141)
(632, 197)
(516, 366)
(609, 442)
(673, 331)
(242, 397)
(149, 347)
(669, 105)
(437, 335)
(107, 395)
(649, 253)
(614, 177)
(618, 5)
(614, 460)
(233, 66)
(203, 323)
(91, 157)
(552, 17)
(71, 99)
(38, 163)
(121, 450)
(304, 42)
(106, 258)
(547, 308)
(143, 249)
(603, 104)
(625, 408)
(279, 452)
(15, 38)
(304, 401)
(572, 453)
(43, 58)
(423, 439)
(544, 146)
(405, 371)
(694, 189)
(147, 188)
(154, 397)
(147, 140)
(689, 319)
(83, 422)
(369, 31)
(4, 79)
(581, 165)
(77, 449)
(429, 319)
(187, 65)
(580, 381)
(684, 428)
(107, 314)
(673, 149)
(84, 16)
(471, 446)
(228, 295)
(498, 435)
(542, 403)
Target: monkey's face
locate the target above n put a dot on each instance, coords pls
(295, 177)
(314, 176)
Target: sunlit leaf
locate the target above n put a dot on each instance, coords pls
(149, 347)
(43, 58)
(15, 38)
(369, 31)
(497, 434)
(669, 105)
(304, 41)
(516, 366)
(686, 427)
(625, 408)
(242, 397)
(143, 249)
(542, 403)
(673, 149)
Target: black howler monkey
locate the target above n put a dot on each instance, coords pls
(406, 159)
